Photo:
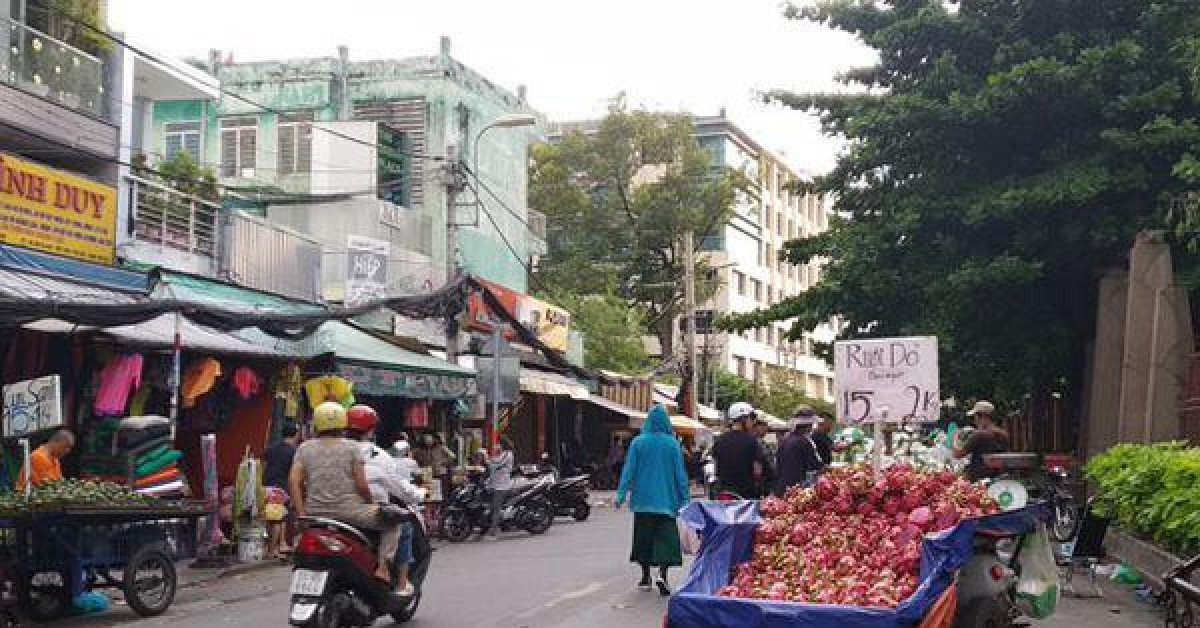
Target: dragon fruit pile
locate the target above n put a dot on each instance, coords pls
(850, 540)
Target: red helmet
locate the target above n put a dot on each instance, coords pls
(361, 419)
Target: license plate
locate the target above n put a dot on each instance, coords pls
(307, 582)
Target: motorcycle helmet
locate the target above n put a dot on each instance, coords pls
(361, 419)
(740, 410)
(400, 449)
(329, 416)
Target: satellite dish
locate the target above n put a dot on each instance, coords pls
(1010, 494)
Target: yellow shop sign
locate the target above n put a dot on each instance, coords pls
(55, 212)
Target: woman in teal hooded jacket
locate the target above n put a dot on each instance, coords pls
(657, 485)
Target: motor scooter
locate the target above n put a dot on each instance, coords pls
(470, 508)
(333, 583)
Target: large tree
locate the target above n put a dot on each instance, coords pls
(1001, 155)
(619, 199)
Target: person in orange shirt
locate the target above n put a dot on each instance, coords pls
(46, 460)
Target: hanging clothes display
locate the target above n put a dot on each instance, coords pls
(246, 382)
(329, 388)
(199, 378)
(120, 375)
(289, 384)
(417, 414)
(249, 496)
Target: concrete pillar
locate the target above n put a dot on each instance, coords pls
(122, 72)
(1156, 344)
(1104, 387)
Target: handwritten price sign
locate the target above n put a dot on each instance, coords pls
(892, 379)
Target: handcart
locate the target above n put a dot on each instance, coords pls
(50, 555)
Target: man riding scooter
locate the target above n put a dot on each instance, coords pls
(386, 482)
(328, 479)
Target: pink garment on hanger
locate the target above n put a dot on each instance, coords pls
(417, 414)
(246, 382)
(121, 375)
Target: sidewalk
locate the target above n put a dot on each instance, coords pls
(193, 577)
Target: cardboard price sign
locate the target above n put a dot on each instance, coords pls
(888, 379)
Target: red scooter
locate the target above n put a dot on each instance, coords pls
(333, 583)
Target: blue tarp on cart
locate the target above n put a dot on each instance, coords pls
(728, 532)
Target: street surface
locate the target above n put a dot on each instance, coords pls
(575, 575)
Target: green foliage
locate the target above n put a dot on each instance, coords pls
(1001, 156)
(618, 203)
(77, 22)
(1152, 491)
(182, 173)
(781, 396)
(612, 330)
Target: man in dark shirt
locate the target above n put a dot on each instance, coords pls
(823, 441)
(987, 438)
(737, 451)
(278, 458)
(797, 456)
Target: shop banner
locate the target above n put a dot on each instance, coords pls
(481, 318)
(366, 269)
(32, 406)
(550, 322)
(387, 383)
(52, 211)
(888, 379)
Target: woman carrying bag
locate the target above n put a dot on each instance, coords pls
(656, 483)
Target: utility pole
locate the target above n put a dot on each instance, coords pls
(689, 306)
(453, 179)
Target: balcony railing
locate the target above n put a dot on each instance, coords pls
(170, 218)
(40, 64)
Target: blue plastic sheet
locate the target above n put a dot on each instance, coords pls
(727, 529)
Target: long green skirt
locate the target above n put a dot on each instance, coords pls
(655, 540)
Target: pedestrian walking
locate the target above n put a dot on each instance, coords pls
(798, 465)
(657, 486)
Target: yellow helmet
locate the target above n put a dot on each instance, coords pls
(329, 416)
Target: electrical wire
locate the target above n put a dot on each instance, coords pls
(478, 179)
(236, 96)
(508, 244)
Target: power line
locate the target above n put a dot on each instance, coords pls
(121, 42)
(509, 245)
(524, 221)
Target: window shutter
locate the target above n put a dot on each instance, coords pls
(287, 149)
(304, 148)
(229, 167)
(172, 145)
(247, 149)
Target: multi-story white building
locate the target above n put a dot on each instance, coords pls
(745, 256)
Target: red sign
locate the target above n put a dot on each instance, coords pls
(480, 317)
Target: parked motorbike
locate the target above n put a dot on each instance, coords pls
(567, 495)
(470, 508)
(1044, 477)
(333, 583)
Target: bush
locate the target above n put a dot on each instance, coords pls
(1152, 491)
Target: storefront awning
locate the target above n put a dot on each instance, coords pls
(618, 408)
(552, 384)
(687, 425)
(378, 367)
(159, 333)
(666, 393)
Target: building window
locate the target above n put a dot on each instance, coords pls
(739, 280)
(770, 295)
(740, 365)
(295, 142)
(181, 137)
(758, 334)
(779, 223)
(756, 285)
(771, 336)
(239, 146)
(829, 387)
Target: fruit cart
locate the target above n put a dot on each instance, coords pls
(50, 553)
(728, 531)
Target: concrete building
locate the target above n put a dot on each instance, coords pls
(335, 148)
(744, 255)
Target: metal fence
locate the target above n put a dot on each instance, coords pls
(173, 219)
(40, 64)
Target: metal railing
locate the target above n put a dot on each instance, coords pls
(173, 219)
(40, 64)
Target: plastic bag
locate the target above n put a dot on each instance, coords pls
(689, 539)
(1037, 590)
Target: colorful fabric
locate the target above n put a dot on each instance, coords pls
(329, 388)
(157, 464)
(137, 405)
(151, 455)
(246, 382)
(653, 471)
(119, 376)
(200, 378)
(655, 540)
(169, 474)
(46, 468)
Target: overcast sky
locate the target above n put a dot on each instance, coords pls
(695, 56)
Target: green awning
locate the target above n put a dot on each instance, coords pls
(189, 288)
(380, 368)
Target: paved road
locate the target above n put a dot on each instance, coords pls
(575, 575)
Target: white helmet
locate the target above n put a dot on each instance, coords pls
(740, 410)
(400, 449)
